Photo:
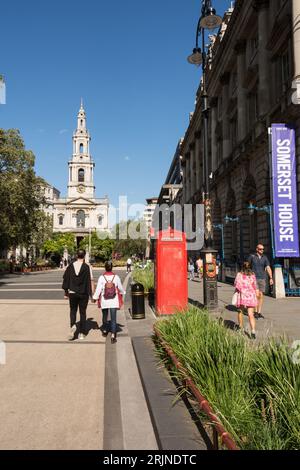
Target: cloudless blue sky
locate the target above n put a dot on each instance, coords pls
(127, 59)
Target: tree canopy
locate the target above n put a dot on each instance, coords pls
(21, 192)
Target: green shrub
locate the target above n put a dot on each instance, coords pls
(4, 265)
(254, 390)
(145, 276)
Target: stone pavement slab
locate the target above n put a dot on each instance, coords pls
(282, 316)
(52, 390)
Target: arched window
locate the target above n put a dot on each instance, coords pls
(81, 122)
(80, 219)
(81, 148)
(100, 219)
(81, 175)
(61, 220)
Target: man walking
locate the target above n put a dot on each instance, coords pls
(129, 263)
(260, 265)
(78, 285)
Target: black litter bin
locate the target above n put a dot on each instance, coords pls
(138, 301)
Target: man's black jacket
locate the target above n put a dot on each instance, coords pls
(81, 283)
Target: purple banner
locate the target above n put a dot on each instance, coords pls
(285, 191)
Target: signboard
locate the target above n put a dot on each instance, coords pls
(285, 191)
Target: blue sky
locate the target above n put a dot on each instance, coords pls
(127, 59)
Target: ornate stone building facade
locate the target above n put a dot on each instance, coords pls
(80, 212)
(252, 81)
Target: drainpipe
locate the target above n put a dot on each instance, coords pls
(296, 38)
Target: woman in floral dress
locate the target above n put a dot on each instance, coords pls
(245, 286)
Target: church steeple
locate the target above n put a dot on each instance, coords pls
(81, 118)
(81, 174)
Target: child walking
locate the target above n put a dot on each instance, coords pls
(246, 287)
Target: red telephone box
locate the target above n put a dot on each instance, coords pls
(171, 287)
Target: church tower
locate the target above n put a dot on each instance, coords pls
(81, 167)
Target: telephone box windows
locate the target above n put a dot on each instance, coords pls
(81, 175)
(80, 219)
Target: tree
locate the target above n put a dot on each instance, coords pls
(58, 243)
(101, 249)
(136, 238)
(21, 192)
(44, 230)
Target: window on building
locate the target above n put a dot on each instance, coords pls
(81, 175)
(81, 122)
(61, 220)
(252, 110)
(233, 132)
(220, 110)
(100, 219)
(80, 219)
(81, 148)
(219, 151)
(285, 62)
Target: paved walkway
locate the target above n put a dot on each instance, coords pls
(53, 391)
(281, 316)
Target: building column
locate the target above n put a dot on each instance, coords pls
(183, 170)
(225, 117)
(188, 177)
(193, 169)
(240, 50)
(296, 38)
(213, 122)
(264, 64)
(198, 157)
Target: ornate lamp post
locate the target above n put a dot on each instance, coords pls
(208, 20)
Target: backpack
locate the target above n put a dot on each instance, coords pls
(110, 291)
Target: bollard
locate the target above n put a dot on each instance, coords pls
(138, 301)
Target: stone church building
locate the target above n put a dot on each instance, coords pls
(80, 212)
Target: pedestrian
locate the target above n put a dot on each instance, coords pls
(199, 264)
(61, 264)
(191, 269)
(109, 293)
(129, 263)
(260, 266)
(246, 289)
(78, 285)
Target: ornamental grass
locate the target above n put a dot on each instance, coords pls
(145, 276)
(253, 389)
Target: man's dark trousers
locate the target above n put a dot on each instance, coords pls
(81, 301)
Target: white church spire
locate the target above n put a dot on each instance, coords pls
(81, 118)
(81, 167)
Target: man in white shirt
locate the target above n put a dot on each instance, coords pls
(129, 263)
(78, 284)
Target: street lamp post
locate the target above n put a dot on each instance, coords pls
(207, 20)
(90, 244)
